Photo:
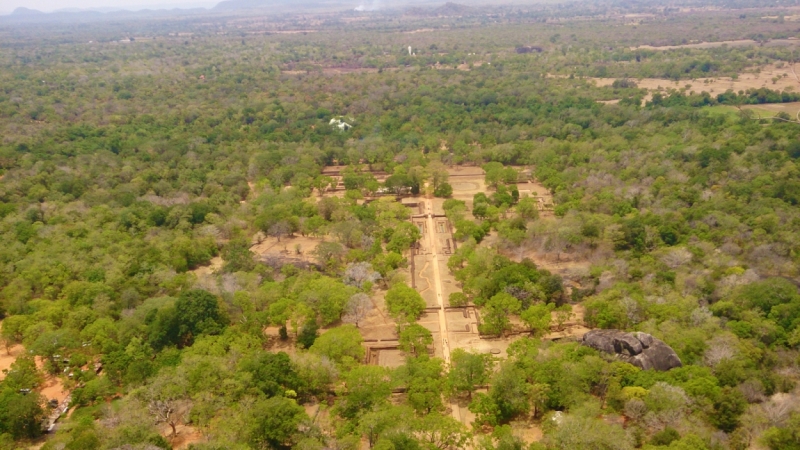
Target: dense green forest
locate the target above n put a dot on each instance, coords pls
(138, 178)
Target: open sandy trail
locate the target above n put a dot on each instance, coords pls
(437, 284)
(437, 287)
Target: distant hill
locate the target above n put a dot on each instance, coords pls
(27, 15)
(446, 10)
(451, 9)
(22, 11)
(229, 5)
(297, 5)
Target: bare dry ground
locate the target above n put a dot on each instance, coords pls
(769, 76)
(214, 265)
(333, 70)
(378, 325)
(792, 18)
(528, 432)
(466, 182)
(425, 279)
(734, 43)
(53, 388)
(186, 435)
(469, 180)
(7, 358)
(288, 247)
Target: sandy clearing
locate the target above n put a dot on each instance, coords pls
(289, 31)
(336, 70)
(528, 432)
(214, 265)
(733, 43)
(793, 18)
(378, 326)
(770, 76)
(8, 358)
(53, 388)
(297, 246)
(186, 435)
(8, 355)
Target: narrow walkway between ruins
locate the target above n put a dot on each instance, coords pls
(437, 284)
(437, 287)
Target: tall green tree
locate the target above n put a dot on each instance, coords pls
(341, 344)
(468, 371)
(274, 423)
(415, 339)
(404, 303)
(496, 312)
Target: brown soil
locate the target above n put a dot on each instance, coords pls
(276, 344)
(748, 80)
(8, 358)
(378, 326)
(336, 70)
(186, 435)
(557, 263)
(463, 66)
(468, 181)
(213, 267)
(528, 432)
(574, 327)
(473, 342)
(53, 388)
(736, 43)
(287, 246)
(291, 31)
(289, 346)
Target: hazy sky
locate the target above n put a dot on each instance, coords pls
(7, 6)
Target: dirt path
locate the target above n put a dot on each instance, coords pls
(253, 192)
(732, 43)
(437, 287)
(437, 283)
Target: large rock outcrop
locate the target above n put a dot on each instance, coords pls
(640, 349)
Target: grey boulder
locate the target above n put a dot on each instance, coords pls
(640, 349)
